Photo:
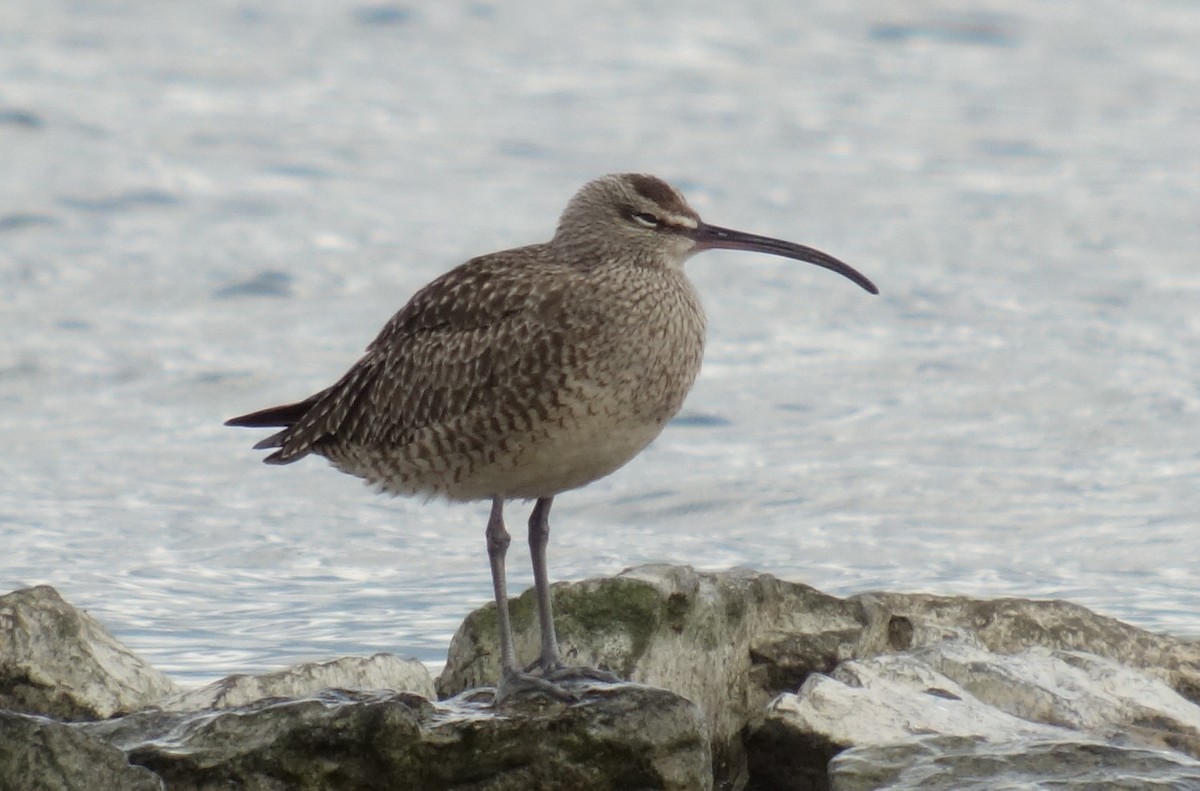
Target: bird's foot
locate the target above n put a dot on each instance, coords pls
(555, 670)
(514, 682)
(548, 678)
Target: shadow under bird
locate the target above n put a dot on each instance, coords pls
(528, 372)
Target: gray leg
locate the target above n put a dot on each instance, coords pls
(539, 537)
(549, 662)
(498, 540)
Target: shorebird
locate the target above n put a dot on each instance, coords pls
(523, 374)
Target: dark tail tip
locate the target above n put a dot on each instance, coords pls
(284, 416)
(278, 458)
(271, 417)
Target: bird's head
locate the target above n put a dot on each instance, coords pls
(629, 217)
(641, 219)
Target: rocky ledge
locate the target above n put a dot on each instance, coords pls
(738, 681)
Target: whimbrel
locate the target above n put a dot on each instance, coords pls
(528, 372)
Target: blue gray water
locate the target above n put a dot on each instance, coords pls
(207, 208)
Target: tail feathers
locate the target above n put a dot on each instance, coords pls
(286, 416)
(310, 424)
(278, 456)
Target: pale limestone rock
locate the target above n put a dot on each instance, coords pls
(1032, 716)
(1006, 626)
(949, 763)
(59, 661)
(380, 671)
(890, 698)
(1076, 690)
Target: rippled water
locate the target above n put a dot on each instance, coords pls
(210, 208)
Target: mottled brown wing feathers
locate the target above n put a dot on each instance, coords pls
(461, 341)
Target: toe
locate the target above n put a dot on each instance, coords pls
(513, 682)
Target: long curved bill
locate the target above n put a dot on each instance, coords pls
(712, 237)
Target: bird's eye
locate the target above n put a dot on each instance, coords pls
(645, 220)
